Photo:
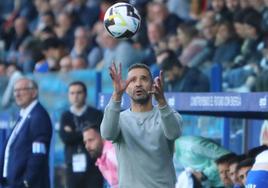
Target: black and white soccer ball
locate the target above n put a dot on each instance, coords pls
(122, 20)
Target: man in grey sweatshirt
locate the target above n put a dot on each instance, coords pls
(143, 135)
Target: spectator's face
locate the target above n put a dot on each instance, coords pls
(183, 37)
(2, 70)
(172, 74)
(239, 29)
(78, 64)
(140, 85)
(93, 143)
(224, 171)
(154, 33)
(244, 4)
(209, 29)
(217, 5)
(65, 64)
(223, 34)
(242, 174)
(24, 93)
(256, 4)
(158, 13)
(250, 31)
(64, 20)
(232, 5)
(81, 38)
(77, 96)
(20, 26)
(48, 20)
(233, 174)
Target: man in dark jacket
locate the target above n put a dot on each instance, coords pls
(81, 169)
(181, 78)
(24, 161)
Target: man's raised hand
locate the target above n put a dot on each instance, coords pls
(118, 84)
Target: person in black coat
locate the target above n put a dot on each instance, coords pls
(81, 170)
(24, 161)
(179, 78)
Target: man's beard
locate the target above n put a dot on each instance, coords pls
(142, 99)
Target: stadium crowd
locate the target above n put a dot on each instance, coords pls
(184, 38)
(48, 35)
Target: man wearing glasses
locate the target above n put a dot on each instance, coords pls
(24, 160)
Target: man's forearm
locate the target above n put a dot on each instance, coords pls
(110, 124)
(172, 122)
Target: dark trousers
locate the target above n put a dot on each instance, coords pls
(88, 179)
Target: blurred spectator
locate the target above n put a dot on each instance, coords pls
(57, 6)
(227, 45)
(242, 77)
(65, 64)
(158, 12)
(79, 63)
(244, 4)
(199, 155)
(232, 5)
(41, 6)
(47, 20)
(13, 74)
(243, 168)
(258, 5)
(121, 51)
(21, 33)
(104, 153)
(46, 33)
(180, 78)
(208, 28)
(30, 52)
(81, 170)
(221, 12)
(233, 175)
(82, 14)
(265, 16)
(181, 8)
(2, 69)
(223, 164)
(191, 43)
(65, 28)
(155, 33)
(84, 47)
(258, 175)
(53, 50)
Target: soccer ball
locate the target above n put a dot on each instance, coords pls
(122, 20)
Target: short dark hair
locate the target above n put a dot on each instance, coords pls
(237, 159)
(141, 66)
(52, 42)
(248, 162)
(170, 60)
(91, 125)
(225, 158)
(80, 83)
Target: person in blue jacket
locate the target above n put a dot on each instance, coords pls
(24, 160)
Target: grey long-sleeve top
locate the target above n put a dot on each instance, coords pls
(144, 144)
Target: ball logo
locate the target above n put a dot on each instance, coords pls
(122, 20)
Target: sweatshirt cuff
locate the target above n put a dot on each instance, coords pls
(115, 105)
(165, 110)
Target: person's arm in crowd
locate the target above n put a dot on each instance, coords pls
(67, 134)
